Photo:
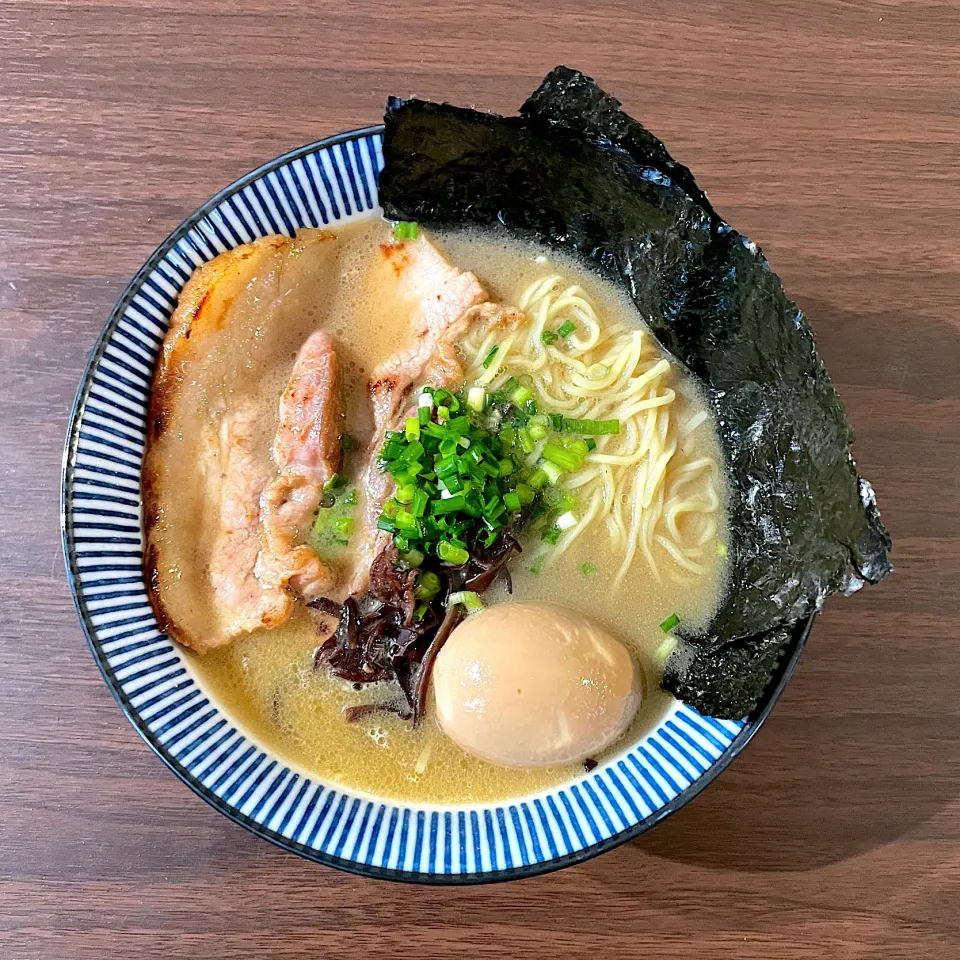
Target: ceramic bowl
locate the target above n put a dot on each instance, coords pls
(327, 182)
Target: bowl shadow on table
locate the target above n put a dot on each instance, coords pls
(852, 757)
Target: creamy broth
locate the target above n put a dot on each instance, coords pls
(266, 681)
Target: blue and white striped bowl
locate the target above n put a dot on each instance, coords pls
(326, 182)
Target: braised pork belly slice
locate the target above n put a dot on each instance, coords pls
(307, 455)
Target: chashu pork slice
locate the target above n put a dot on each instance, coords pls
(223, 370)
(307, 455)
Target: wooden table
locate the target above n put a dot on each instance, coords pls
(828, 132)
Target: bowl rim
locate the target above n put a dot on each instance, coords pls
(785, 669)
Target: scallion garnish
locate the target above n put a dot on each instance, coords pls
(476, 399)
(597, 428)
(470, 600)
(452, 553)
(428, 585)
(588, 569)
(551, 472)
(406, 230)
(563, 456)
(566, 328)
(548, 337)
(344, 526)
(520, 395)
(669, 623)
(488, 359)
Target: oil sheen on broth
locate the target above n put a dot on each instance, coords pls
(266, 681)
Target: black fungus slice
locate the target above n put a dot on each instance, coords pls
(378, 638)
(576, 172)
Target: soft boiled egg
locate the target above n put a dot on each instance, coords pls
(534, 684)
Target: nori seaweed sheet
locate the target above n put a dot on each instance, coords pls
(576, 172)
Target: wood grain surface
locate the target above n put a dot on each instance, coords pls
(829, 132)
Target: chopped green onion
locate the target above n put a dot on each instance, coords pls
(405, 493)
(344, 526)
(721, 549)
(566, 520)
(669, 623)
(536, 568)
(420, 501)
(420, 612)
(566, 328)
(591, 444)
(666, 648)
(527, 441)
(406, 230)
(351, 498)
(598, 428)
(507, 467)
(488, 359)
(428, 586)
(405, 520)
(551, 471)
(563, 457)
(332, 483)
(443, 414)
(470, 600)
(385, 523)
(551, 535)
(556, 421)
(521, 395)
(588, 569)
(451, 553)
(412, 428)
(449, 505)
(525, 494)
(476, 398)
(537, 430)
(512, 501)
(413, 557)
(548, 337)
(578, 448)
(453, 484)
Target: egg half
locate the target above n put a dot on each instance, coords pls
(534, 684)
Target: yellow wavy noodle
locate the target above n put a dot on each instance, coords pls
(647, 483)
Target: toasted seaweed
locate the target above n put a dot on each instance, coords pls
(574, 171)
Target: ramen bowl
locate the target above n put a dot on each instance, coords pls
(328, 182)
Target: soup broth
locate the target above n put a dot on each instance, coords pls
(266, 681)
